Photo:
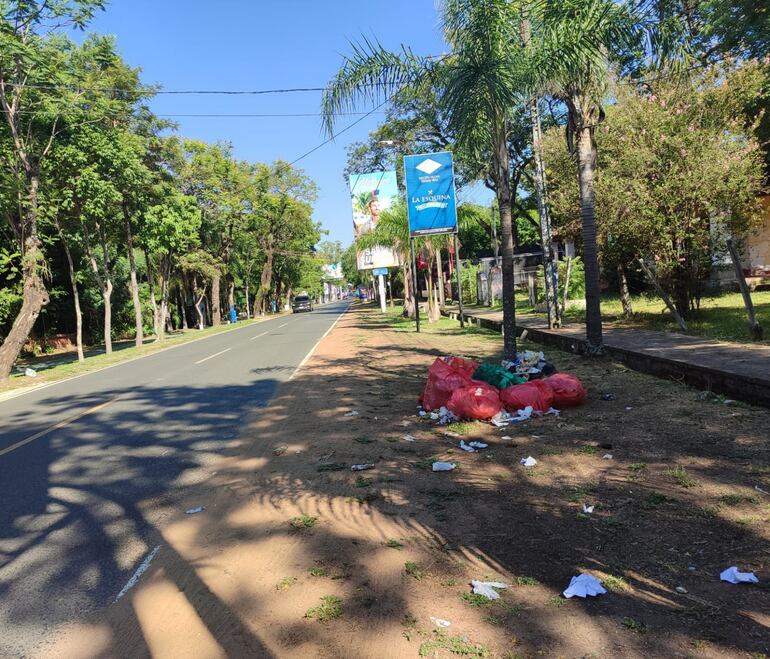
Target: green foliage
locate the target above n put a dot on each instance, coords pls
(303, 521)
(452, 644)
(329, 609)
(414, 570)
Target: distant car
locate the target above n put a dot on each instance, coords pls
(301, 303)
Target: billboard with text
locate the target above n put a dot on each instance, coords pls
(371, 194)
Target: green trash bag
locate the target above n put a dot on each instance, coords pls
(497, 376)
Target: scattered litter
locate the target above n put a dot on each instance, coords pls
(449, 433)
(692, 568)
(523, 415)
(193, 511)
(362, 467)
(732, 575)
(501, 419)
(280, 450)
(352, 413)
(422, 413)
(466, 447)
(607, 456)
(405, 422)
(439, 622)
(529, 461)
(628, 408)
(30, 372)
(729, 401)
(478, 445)
(472, 447)
(487, 588)
(583, 585)
(497, 376)
(506, 437)
(609, 397)
(588, 509)
(759, 489)
(681, 589)
(553, 411)
(443, 466)
(410, 438)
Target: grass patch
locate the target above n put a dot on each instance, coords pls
(330, 608)
(493, 619)
(538, 473)
(615, 584)
(392, 543)
(332, 466)
(557, 601)
(588, 450)
(527, 581)
(303, 522)
(463, 427)
(286, 583)
(475, 600)
(413, 570)
(362, 481)
(638, 471)
(737, 499)
(634, 625)
(680, 476)
(453, 644)
(448, 583)
(653, 500)
(318, 571)
(425, 463)
(580, 492)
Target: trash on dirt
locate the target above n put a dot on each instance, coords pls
(530, 363)
(472, 447)
(537, 394)
(487, 588)
(553, 411)
(759, 489)
(445, 416)
(193, 511)
(681, 589)
(497, 376)
(352, 413)
(506, 437)
(583, 585)
(476, 401)
(588, 509)
(628, 408)
(443, 466)
(439, 622)
(478, 445)
(30, 372)
(422, 413)
(405, 423)
(444, 376)
(449, 433)
(729, 401)
(568, 391)
(466, 447)
(501, 419)
(280, 450)
(528, 461)
(732, 575)
(607, 456)
(523, 415)
(410, 438)
(362, 467)
(609, 397)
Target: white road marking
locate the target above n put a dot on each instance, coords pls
(139, 572)
(216, 354)
(312, 350)
(284, 325)
(258, 335)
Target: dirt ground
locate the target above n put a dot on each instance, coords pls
(398, 545)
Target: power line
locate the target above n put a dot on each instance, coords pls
(170, 92)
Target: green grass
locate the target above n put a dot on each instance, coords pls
(737, 499)
(475, 600)
(413, 570)
(303, 522)
(557, 601)
(638, 471)
(286, 583)
(332, 466)
(318, 571)
(615, 584)
(527, 581)
(452, 644)
(329, 609)
(463, 427)
(588, 450)
(362, 481)
(653, 500)
(681, 477)
(394, 544)
(634, 625)
(66, 365)
(579, 492)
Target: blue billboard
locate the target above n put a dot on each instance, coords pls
(430, 193)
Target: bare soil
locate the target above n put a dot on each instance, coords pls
(287, 523)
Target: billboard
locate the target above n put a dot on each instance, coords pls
(371, 194)
(430, 193)
(332, 271)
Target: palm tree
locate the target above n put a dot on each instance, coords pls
(576, 46)
(481, 83)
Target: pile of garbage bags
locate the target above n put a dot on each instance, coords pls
(469, 390)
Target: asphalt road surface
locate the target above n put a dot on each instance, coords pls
(90, 467)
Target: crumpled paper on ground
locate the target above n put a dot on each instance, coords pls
(529, 461)
(583, 585)
(487, 588)
(362, 467)
(732, 575)
(443, 466)
(472, 447)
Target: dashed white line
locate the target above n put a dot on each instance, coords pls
(284, 325)
(258, 335)
(139, 572)
(216, 354)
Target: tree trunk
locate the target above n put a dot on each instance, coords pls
(408, 298)
(165, 274)
(138, 323)
(440, 272)
(248, 306)
(182, 310)
(75, 294)
(216, 312)
(625, 298)
(107, 297)
(201, 322)
(503, 190)
(230, 293)
(586, 159)
(35, 296)
(265, 279)
(153, 301)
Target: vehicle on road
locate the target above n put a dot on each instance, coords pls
(301, 303)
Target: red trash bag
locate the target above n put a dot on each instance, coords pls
(466, 366)
(443, 379)
(538, 394)
(478, 400)
(568, 391)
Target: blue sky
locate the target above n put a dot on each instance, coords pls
(264, 44)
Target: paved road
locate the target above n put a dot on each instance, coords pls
(90, 467)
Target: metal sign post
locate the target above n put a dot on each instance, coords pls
(459, 283)
(415, 292)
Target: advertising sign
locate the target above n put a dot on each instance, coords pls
(332, 271)
(371, 194)
(430, 193)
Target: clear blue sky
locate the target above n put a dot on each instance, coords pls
(265, 44)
